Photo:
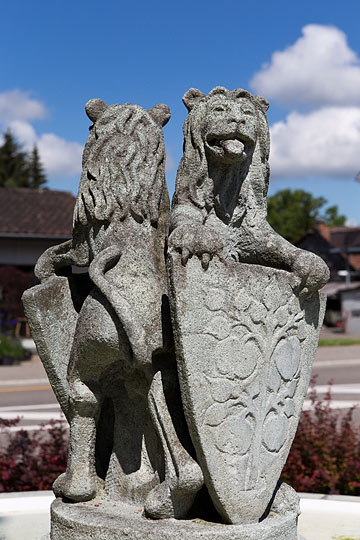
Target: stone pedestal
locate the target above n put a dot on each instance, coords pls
(103, 520)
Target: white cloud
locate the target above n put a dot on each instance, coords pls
(59, 156)
(318, 69)
(324, 142)
(17, 105)
(24, 133)
(351, 222)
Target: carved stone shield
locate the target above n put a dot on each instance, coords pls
(245, 344)
(52, 318)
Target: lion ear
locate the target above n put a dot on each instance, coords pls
(263, 102)
(160, 113)
(94, 108)
(191, 97)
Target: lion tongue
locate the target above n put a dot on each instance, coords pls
(232, 146)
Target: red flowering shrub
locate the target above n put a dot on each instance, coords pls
(31, 461)
(13, 282)
(325, 455)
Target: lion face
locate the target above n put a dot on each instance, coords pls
(226, 136)
(230, 128)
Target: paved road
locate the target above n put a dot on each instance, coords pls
(25, 391)
(341, 365)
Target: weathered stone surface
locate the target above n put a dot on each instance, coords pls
(219, 206)
(53, 328)
(245, 346)
(245, 312)
(118, 521)
(106, 341)
(246, 320)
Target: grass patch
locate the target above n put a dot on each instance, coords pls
(330, 342)
(344, 538)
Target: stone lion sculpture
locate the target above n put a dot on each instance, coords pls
(180, 362)
(247, 317)
(220, 205)
(122, 350)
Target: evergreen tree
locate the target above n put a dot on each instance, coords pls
(13, 163)
(36, 172)
(17, 168)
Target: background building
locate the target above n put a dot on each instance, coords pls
(31, 220)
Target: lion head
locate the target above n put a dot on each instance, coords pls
(123, 163)
(225, 129)
(123, 172)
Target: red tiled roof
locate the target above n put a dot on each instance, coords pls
(39, 212)
(343, 238)
(324, 231)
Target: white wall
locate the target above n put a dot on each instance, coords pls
(23, 251)
(351, 305)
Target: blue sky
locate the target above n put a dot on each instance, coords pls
(304, 57)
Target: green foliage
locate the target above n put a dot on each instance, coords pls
(331, 342)
(17, 168)
(13, 165)
(11, 348)
(293, 213)
(36, 171)
(332, 218)
(345, 538)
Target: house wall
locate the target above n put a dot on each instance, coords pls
(315, 242)
(23, 251)
(351, 311)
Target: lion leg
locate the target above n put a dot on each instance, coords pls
(183, 476)
(79, 482)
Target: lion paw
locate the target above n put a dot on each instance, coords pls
(199, 240)
(174, 497)
(75, 489)
(311, 271)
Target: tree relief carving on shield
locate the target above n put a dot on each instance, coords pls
(258, 339)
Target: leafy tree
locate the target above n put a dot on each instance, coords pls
(35, 170)
(293, 213)
(17, 168)
(332, 218)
